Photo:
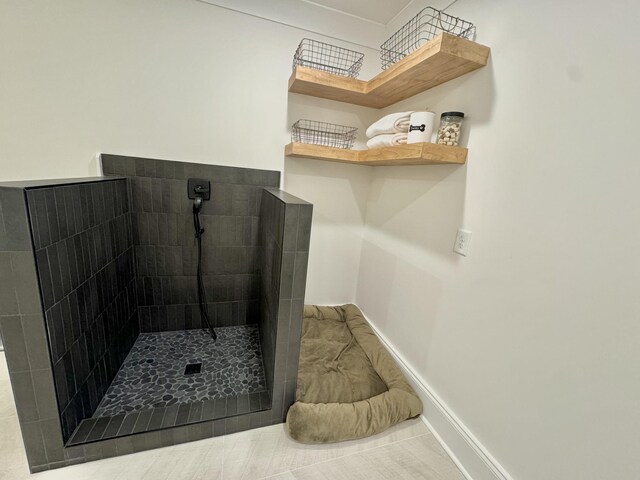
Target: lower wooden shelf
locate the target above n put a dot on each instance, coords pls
(409, 154)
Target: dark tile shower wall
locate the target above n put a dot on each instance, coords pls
(285, 233)
(165, 247)
(22, 325)
(24, 335)
(85, 264)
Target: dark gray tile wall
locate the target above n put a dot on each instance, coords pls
(165, 246)
(271, 233)
(22, 325)
(84, 259)
(25, 338)
(285, 233)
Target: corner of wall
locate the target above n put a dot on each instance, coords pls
(467, 452)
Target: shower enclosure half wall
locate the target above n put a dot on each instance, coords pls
(100, 313)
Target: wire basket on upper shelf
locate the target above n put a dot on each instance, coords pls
(322, 133)
(327, 57)
(426, 25)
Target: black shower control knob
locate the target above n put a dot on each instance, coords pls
(198, 187)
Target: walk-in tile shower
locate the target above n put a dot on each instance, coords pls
(103, 315)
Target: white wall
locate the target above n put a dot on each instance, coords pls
(532, 340)
(173, 79)
(313, 18)
(339, 195)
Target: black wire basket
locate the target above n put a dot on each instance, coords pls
(427, 24)
(327, 57)
(322, 133)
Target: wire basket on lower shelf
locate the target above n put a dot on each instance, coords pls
(322, 133)
(327, 57)
(426, 25)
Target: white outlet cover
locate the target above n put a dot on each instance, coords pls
(463, 242)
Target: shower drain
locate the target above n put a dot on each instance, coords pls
(192, 368)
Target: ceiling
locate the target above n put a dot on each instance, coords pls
(379, 11)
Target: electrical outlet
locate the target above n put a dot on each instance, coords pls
(463, 241)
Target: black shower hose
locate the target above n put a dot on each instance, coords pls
(202, 294)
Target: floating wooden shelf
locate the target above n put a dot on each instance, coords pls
(439, 60)
(410, 154)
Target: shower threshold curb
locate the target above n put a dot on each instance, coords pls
(103, 428)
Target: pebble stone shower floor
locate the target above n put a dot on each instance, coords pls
(153, 374)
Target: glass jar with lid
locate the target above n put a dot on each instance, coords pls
(450, 128)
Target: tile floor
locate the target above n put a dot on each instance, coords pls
(153, 374)
(406, 451)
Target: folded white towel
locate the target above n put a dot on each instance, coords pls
(392, 123)
(388, 140)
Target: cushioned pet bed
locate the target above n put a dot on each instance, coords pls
(348, 385)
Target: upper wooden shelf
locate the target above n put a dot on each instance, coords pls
(408, 154)
(439, 60)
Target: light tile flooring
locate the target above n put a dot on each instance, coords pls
(406, 451)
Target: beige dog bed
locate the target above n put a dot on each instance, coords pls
(348, 385)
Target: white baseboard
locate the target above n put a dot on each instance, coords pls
(471, 457)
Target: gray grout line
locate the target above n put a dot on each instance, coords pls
(214, 183)
(162, 420)
(15, 292)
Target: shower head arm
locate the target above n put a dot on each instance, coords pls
(197, 204)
